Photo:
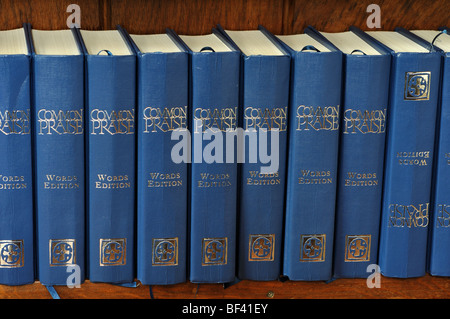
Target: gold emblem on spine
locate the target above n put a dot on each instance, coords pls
(62, 252)
(11, 253)
(417, 85)
(165, 252)
(261, 247)
(113, 252)
(312, 248)
(214, 251)
(357, 248)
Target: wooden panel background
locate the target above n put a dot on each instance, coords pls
(335, 16)
(198, 17)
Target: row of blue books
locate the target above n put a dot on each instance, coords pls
(239, 154)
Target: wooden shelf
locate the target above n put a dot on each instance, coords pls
(198, 17)
(427, 287)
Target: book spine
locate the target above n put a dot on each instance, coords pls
(214, 107)
(265, 108)
(409, 158)
(162, 180)
(60, 170)
(439, 257)
(361, 163)
(314, 119)
(111, 102)
(16, 180)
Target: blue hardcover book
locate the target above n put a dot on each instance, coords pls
(439, 228)
(16, 180)
(58, 112)
(414, 95)
(110, 112)
(365, 95)
(314, 113)
(214, 98)
(264, 93)
(162, 184)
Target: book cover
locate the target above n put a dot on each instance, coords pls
(365, 93)
(58, 113)
(264, 93)
(16, 179)
(110, 157)
(414, 88)
(314, 122)
(162, 181)
(439, 235)
(213, 103)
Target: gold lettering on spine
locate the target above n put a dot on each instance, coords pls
(265, 118)
(12, 182)
(60, 122)
(447, 158)
(15, 122)
(413, 158)
(214, 180)
(361, 179)
(364, 121)
(314, 177)
(105, 181)
(222, 119)
(112, 122)
(255, 178)
(61, 182)
(317, 118)
(410, 216)
(164, 180)
(443, 216)
(164, 119)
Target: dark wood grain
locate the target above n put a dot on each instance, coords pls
(14, 13)
(47, 14)
(337, 16)
(195, 16)
(199, 16)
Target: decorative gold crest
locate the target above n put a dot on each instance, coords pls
(214, 251)
(165, 252)
(357, 248)
(113, 252)
(261, 247)
(417, 85)
(62, 252)
(312, 248)
(11, 253)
